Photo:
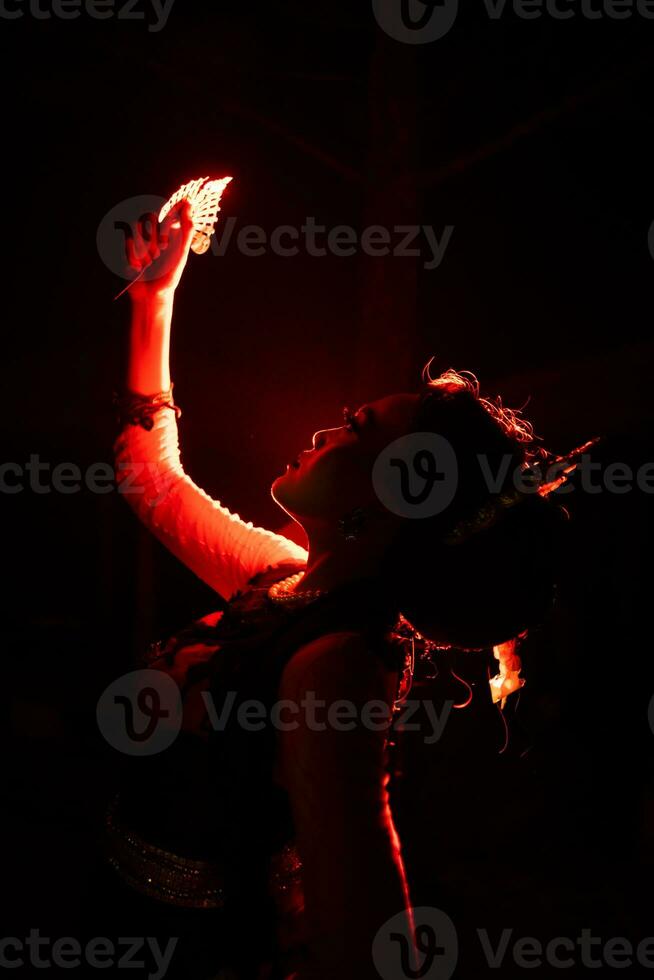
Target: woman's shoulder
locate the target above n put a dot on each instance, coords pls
(340, 664)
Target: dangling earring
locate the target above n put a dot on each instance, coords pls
(351, 524)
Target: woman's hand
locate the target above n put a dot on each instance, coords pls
(157, 253)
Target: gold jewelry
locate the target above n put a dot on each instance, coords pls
(284, 593)
(494, 508)
(135, 409)
(351, 524)
(181, 881)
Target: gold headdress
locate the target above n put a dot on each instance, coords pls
(495, 507)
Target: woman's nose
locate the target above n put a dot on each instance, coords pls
(319, 439)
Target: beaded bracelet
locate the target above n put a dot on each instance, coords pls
(135, 409)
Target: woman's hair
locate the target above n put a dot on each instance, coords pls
(482, 571)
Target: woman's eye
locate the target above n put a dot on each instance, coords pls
(349, 417)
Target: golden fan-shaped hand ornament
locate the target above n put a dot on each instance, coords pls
(204, 196)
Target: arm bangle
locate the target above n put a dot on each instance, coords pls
(135, 409)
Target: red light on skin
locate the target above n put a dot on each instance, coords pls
(204, 196)
(296, 463)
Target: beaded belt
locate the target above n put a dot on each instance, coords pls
(182, 881)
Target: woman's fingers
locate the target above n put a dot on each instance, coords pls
(178, 223)
(151, 223)
(142, 246)
(160, 249)
(133, 260)
(138, 256)
(149, 239)
(168, 226)
(135, 248)
(164, 234)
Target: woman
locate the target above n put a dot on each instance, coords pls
(225, 809)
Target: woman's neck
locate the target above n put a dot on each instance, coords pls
(334, 563)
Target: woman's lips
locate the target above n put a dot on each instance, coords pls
(295, 463)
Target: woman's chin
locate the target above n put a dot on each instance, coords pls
(280, 488)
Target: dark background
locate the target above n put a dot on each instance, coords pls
(533, 138)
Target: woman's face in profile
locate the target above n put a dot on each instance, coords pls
(334, 477)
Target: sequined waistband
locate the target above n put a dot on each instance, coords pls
(178, 880)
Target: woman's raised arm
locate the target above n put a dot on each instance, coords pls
(218, 546)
